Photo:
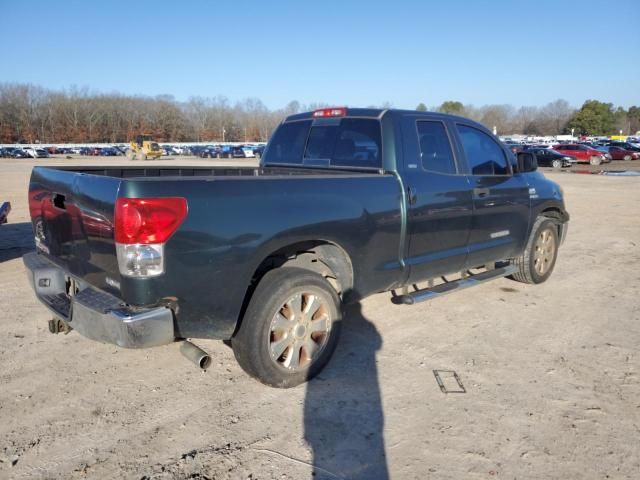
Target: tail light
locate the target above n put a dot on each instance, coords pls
(142, 227)
(330, 112)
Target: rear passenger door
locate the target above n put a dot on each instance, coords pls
(440, 206)
(500, 199)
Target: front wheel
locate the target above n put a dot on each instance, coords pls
(556, 164)
(595, 160)
(536, 263)
(627, 158)
(290, 329)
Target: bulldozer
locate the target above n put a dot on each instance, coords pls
(143, 147)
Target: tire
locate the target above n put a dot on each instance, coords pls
(627, 158)
(556, 163)
(270, 345)
(131, 154)
(535, 265)
(142, 156)
(595, 160)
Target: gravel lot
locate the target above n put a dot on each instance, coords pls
(551, 373)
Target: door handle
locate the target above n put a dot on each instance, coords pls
(480, 192)
(412, 196)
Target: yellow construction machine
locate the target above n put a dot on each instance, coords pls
(143, 147)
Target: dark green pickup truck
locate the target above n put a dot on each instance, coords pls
(345, 203)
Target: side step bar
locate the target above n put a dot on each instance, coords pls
(445, 288)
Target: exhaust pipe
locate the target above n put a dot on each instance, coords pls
(195, 354)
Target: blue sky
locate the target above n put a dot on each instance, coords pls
(355, 53)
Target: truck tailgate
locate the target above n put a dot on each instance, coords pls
(72, 217)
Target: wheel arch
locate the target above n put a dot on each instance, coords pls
(559, 217)
(325, 257)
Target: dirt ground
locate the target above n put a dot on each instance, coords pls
(551, 375)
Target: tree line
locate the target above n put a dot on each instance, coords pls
(556, 118)
(31, 114)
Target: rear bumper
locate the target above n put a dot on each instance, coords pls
(96, 314)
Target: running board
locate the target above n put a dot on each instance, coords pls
(445, 288)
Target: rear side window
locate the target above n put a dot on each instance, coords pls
(435, 148)
(483, 153)
(287, 144)
(354, 142)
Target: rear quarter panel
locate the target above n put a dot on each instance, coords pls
(233, 224)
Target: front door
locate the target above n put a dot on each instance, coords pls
(501, 200)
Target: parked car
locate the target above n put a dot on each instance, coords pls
(626, 146)
(30, 151)
(329, 227)
(583, 153)
(19, 153)
(548, 157)
(196, 150)
(42, 153)
(211, 152)
(109, 152)
(237, 151)
(620, 153)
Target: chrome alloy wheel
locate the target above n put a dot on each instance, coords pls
(545, 250)
(299, 331)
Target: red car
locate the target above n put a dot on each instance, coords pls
(619, 153)
(583, 153)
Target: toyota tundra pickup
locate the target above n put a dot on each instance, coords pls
(345, 203)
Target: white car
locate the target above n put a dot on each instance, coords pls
(30, 151)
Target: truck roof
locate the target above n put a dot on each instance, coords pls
(376, 113)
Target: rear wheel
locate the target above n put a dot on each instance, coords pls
(537, 262)
(290, 329)
(595, 160)
(556, 164)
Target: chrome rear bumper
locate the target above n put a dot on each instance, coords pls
(96, 314)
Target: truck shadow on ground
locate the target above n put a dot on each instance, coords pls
(16, 239)
(343, 417)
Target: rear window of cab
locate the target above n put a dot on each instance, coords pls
(336, 142)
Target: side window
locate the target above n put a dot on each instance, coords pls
(483, 153)
(435, 148)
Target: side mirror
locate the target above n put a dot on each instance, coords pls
(527, 162)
